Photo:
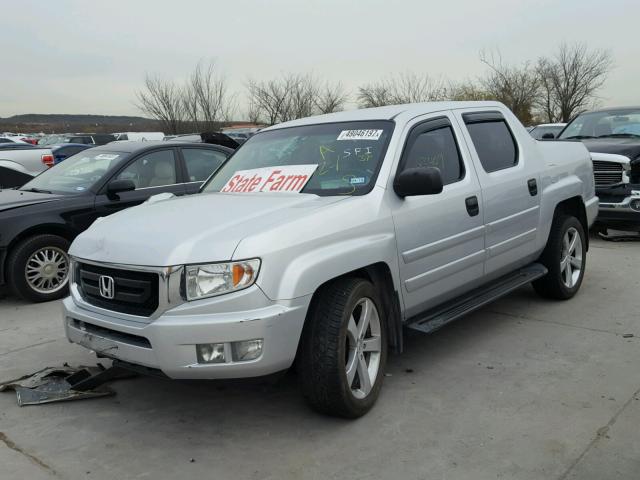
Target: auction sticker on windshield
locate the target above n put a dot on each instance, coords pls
(368, 134)
(285, 178)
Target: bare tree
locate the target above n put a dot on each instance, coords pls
(331, 98)
(571, 79)
(212, 94)
(467, 91)
(301, 99)
(206, 98)
(268, 98)
(374, 95)
(162, 99)
(515, 86)
(286, 98)
(253, 113)
(404, 88)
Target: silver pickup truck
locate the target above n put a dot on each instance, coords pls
(322, 238)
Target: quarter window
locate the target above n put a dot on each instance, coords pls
(154, 169)
(436, 148)
(202, 162)
(494, 144)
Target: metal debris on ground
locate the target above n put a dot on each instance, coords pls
(620, 236)
(59, 384)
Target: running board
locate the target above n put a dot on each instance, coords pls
(436, 318)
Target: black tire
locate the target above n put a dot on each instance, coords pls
(552, 285)
(16, 267)
(324, 349)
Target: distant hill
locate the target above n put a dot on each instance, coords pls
(63, 123)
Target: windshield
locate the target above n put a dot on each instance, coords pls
(614, 123)
(347, 155)
(75, 174)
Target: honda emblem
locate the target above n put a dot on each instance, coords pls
(107, 287)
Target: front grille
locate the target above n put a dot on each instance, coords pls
(607, 173)
(134, 293)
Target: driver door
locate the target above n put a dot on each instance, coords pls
(152, 173)
(440, 237)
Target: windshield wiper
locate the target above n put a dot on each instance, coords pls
(620, 135)
(578, 137)
(36, 190)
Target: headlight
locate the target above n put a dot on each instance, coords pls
(213, 279)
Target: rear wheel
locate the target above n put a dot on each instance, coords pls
(344, 349)
(565, 258)
(38, 268)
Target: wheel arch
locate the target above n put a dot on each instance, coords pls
(574, 206)
(379, 274)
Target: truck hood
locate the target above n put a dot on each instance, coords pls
(629, 147)
(195, 229)
(10, 199)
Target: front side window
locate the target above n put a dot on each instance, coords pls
(154, 169)
(346, 155)
(202, 162)
(436, 148)
(76, 174)
(494, 144)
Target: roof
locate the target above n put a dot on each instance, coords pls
(386, 113)
(126, 146)
(615, 109)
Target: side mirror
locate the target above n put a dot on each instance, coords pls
(116, 186)
(418, 181)
(548, 136)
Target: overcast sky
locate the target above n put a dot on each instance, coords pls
(68, 56)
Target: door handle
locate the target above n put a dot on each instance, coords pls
(473, 208)
(533, 187)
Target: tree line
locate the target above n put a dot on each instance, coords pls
(550, 89)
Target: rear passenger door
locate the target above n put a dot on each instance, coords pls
(440, 238)
(199, 164)
(509, 182)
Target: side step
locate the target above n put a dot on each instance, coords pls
(436, 318)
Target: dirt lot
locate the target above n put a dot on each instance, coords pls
(523, 389)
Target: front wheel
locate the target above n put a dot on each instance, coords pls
(565, 257)
(38, 268)
(344, 349)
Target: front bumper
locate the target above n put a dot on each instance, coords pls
(621, 211)
(168, 342)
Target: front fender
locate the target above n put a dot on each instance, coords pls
(304, 273)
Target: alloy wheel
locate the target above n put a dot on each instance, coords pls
(571, 258)
(364, 348)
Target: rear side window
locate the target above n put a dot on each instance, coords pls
(435, 148)
(202, 162)
(494, 143)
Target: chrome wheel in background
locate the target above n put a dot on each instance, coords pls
(47, 270)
